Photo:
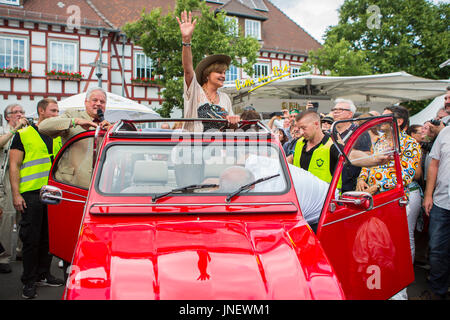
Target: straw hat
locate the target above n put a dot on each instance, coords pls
(206, 62)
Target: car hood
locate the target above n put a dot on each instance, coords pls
(207, 259)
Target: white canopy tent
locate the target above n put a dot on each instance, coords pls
(429, 112)
(117, 107)
(372, 91)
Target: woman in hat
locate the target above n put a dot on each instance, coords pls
(327, 122)
(202, 99)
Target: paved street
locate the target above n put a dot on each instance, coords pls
(11, 287)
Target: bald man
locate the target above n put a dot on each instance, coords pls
(235, 177)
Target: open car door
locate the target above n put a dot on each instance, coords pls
(70, 176)
(365, 235)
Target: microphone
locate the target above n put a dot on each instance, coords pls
(100, 115)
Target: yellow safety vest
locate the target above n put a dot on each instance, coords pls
(37, 162)
(320, 160)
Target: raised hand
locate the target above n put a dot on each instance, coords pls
(187, 26)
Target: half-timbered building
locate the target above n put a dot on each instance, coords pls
(58, 48)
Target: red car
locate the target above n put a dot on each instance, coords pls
(156, 220)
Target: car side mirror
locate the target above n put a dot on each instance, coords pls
(53, 195)
(50, 195)
(356, 200)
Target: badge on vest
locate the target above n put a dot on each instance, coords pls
(319, 162)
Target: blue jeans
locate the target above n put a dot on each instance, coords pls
(439, 232)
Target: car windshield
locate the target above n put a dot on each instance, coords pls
(143, 169)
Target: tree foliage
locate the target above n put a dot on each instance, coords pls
(338, 58)
(401, 35)
(412, 35)
(159, 36)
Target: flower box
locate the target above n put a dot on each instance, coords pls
(14, 73)
(67, 78)
(62, 75)
(144, 82)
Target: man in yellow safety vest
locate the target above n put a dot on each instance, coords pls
(31, 156)
(314, 152)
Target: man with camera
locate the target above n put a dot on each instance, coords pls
(14, 115)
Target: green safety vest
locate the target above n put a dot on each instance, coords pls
(37, 162)
(320, 160)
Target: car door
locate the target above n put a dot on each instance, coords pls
(71, 173)
(366, 236)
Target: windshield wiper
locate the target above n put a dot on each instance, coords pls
(248, 186)
(187, 188)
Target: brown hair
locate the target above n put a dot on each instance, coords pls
(214, 67)
(413, 129)
(250, 115)
(306, 113)
(43, 104)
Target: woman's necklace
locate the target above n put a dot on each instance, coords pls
(210, 99)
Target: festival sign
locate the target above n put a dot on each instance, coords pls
(277, 73)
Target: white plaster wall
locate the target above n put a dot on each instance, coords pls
(5, 84)
(38, 69)
(38, 85)
(21, 85)
(38, 54)
(38, 38)
(55, 86)
(71, 87)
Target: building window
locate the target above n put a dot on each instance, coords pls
(232, 74)
(13, 52)
(143, 66)
(234, 28)
(295, 72)
(253, 28)
(261, 70)
(63, 56)
(13, 2)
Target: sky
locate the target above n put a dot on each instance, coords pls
(314, 16)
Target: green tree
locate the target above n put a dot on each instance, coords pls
(402, 35)
(338, 58)
(159, 36)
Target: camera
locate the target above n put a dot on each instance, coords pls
(435, 122)
(30, 120)
(276, 113)
(315, 106)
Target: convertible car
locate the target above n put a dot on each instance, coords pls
(150, 214)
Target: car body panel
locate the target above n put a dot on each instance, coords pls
(369, 249)
(201, 247)
(207, 258)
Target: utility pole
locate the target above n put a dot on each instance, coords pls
(99, 63)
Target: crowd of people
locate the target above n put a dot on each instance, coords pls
(424, 156)
(28, 150)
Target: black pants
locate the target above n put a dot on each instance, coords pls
(34, 235)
